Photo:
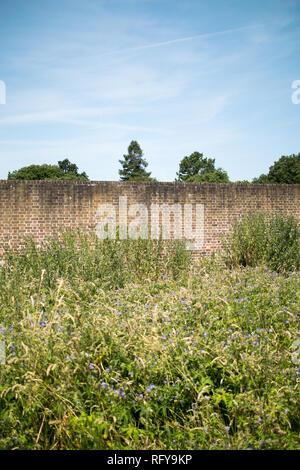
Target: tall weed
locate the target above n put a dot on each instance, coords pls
(264, 239)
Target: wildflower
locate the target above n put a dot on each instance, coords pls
(150, 387)
(260, 421)
(43, 323)
(91, 366)
(70, 357)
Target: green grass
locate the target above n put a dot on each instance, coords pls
(118, 345)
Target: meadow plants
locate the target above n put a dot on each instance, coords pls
(118, 345)
(269, 239)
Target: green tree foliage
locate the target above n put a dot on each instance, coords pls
(285, 171)
(242, 181)
(35, 172)
(134, 165)
(196, 168)
(70, 171)
(65, 170)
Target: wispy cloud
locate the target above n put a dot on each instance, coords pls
(74, 117)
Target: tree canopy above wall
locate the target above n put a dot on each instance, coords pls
(65, 170)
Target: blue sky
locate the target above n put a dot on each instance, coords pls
(84, 78)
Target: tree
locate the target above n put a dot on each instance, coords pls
(36, 172)
(65, 170)
(71, 169)
(242, 182)
(286, 170)
(261, 179)
(196, 168)
(134, 165)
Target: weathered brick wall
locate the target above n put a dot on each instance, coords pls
(40, 208)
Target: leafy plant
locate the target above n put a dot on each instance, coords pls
(264, 239)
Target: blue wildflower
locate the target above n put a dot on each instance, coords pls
(150, 387)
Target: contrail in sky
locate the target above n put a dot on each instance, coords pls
(174, 41)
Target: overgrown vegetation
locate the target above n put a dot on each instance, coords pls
(119, 345)
(266, 239)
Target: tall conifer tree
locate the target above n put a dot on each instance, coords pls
(134, 165)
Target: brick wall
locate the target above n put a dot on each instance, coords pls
(200, 212)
